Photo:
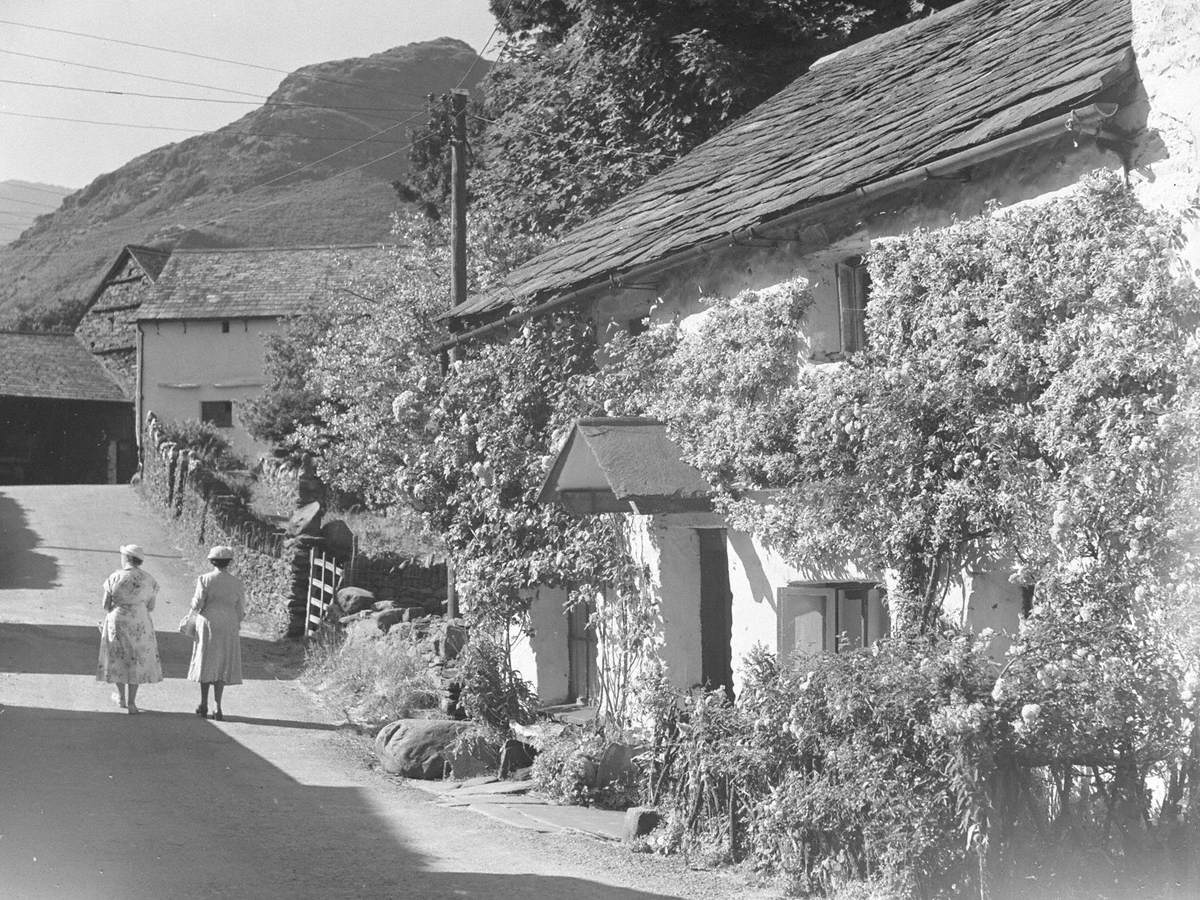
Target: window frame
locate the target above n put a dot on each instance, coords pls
(225, 420)
(854, 294)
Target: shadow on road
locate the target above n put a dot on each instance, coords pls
(21, 566)
(73, 649)
(109, 805)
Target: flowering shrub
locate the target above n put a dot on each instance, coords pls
(1029, 394)
(570, 767)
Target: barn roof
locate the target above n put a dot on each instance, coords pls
(975, 72)
(258, 282)
(150, 260)
(53, 366)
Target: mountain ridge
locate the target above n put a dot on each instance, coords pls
(273, 177)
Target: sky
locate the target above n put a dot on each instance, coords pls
(280, 35)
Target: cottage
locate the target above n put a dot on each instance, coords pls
(990, 100)
(63, 418)
(201, 333)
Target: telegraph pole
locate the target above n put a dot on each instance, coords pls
(458, 255)
(458, 198)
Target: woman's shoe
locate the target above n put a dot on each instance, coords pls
(202, 711)
(133, 710)
(217, 715)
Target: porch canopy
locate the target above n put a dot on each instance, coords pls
(623, 465)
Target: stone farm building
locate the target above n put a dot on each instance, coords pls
(989, 100)
(201, 331)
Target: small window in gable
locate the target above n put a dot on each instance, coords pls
(854, 286)
(217, 412)
(224, 328)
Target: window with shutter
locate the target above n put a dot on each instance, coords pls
(853, 290)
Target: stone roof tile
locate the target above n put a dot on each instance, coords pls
(258, 282)
(52, 366)
(898, 101)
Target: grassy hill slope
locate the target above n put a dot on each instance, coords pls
(260, 181)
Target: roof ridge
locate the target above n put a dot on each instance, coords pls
(374, 246)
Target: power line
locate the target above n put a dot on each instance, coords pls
(232, 62)
(26, 203)
(67, 62)
(226, 129)
(40, 190)
(267, 102)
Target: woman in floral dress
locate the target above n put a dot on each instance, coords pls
(128, 648)
(220, 606)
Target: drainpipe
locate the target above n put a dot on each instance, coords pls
(1087, 120)
(139, 399)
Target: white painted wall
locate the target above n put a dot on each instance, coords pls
(539, 647)
(185, 363)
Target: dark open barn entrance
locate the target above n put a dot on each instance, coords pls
(63, 419)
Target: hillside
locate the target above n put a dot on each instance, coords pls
(226, 188)
(23, 201)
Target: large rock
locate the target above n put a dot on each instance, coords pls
(417, 748)
(639, 822)
(354, 600)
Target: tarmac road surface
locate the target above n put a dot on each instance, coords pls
(95, 803)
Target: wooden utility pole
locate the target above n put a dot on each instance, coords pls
(458, 254)
(458, 198)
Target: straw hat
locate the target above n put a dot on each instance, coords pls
(221, 552)
(133, 550)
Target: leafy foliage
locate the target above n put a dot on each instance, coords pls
(493, 694)
(1028, 398)
(1024, 380)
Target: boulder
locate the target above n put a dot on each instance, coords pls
(515, 755)
(386, 619)
(417, 748)
(355, 599)
(639, 822)
(306, 520)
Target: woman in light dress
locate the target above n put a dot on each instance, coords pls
(220, 606)
(128, 648)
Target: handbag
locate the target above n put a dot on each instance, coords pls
(187, 625)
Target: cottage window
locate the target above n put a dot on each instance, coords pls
(224, 328)
(854, 285)
(217, 412)
(814, 619)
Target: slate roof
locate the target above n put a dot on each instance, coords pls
(613, 464)
(257, 282)
(150, 260)
(53, 366)
(901, 100)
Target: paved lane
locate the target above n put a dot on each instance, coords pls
(95, 803)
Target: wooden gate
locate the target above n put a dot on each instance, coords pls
(324, 578)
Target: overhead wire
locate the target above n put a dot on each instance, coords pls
(224, 129)
(24, 202)
(233, 62)
(68, 62)
(287, 104)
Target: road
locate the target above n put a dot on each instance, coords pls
(95, 803)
